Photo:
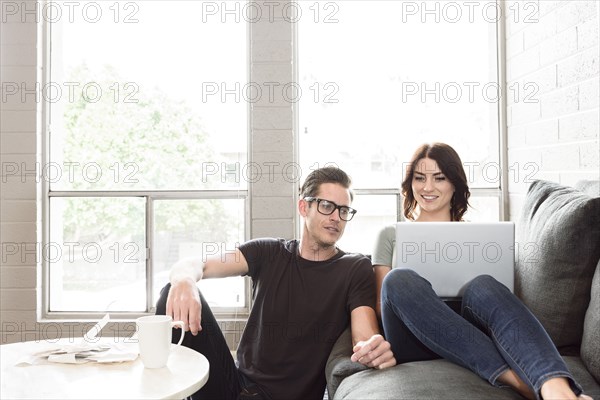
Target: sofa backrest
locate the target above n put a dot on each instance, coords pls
(557, 239)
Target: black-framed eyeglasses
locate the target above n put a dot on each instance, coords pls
(327, 207)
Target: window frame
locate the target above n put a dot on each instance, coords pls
(44, 36)
(475, 192)
(501, 192)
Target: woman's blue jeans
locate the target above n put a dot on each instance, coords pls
(496, 331)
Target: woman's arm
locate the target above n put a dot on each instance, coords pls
(380, 272)
(382, 258)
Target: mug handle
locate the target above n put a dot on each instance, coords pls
(182, 326)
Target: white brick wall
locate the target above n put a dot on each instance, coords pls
(558, 51)
(18, 275)
(271, 137)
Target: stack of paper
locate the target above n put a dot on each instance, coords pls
(88, 349)
(82, 353)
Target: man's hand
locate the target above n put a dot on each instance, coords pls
(183, 304)
(375, 352)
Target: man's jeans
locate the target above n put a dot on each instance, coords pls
(496, 331)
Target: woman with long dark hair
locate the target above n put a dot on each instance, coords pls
(491, 332)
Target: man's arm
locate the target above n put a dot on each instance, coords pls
(369, 347)
(183, 302)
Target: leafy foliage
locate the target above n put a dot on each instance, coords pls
(123, 137)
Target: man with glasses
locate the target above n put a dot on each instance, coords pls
(305, 293)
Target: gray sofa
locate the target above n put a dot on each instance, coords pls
(557, 275)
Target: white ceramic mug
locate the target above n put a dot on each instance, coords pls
(154, 336)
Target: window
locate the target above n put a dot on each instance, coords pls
(385, 77)
(142, 162)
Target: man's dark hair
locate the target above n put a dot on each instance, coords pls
(313, 181)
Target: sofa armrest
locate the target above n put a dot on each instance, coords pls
(339, 365)
(590, 343)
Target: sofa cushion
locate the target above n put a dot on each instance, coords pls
(433, 379)
(557, 251)
(590, 344)
(439, 379)
(590, 386)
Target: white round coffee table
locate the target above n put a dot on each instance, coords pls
(186, 372)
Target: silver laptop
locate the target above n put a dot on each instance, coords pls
(450, 254)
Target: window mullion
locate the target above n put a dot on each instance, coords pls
(148, 252)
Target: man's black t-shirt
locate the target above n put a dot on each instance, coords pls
(300, 308)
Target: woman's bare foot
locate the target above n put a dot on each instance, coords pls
(510, 378)
(559, 389)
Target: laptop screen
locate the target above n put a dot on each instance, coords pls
(450, 254)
